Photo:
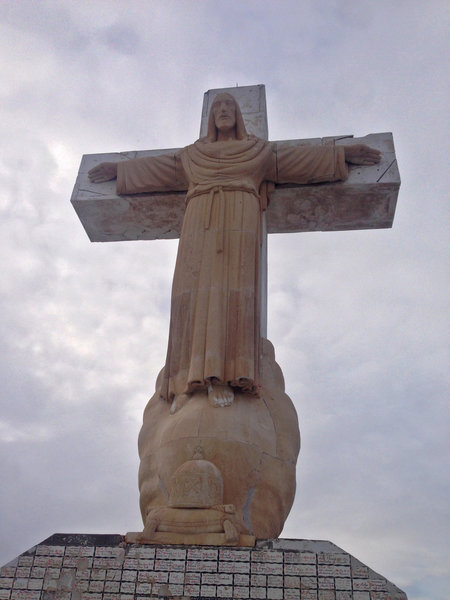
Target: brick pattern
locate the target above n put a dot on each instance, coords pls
(129, 572)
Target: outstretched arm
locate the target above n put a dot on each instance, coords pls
(103, 172)
(360, 154)
(160, 173)
(319, 164)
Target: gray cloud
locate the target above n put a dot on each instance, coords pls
(357, 319)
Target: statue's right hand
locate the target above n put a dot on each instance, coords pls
(103, 172)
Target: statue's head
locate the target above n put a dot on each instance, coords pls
(225, 114)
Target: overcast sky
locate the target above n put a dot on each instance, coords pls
(358, 319)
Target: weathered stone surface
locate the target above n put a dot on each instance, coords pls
(255, 451)
(322, 571)
(190, 539)
(367, 200)
(252, 102)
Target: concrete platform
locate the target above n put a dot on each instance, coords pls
(104, 567)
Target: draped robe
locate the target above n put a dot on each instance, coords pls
(214, 331)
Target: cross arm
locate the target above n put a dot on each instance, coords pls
(108, 217)
(366, 200)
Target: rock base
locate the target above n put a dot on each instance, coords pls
(106, 567)
(253, 443)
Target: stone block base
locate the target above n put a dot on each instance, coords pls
(190, 539)
(106, 567)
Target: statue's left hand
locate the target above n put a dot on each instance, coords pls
(103, 172)
(360, 154)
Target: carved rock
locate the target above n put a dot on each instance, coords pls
(253, 443)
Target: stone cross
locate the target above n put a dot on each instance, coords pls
(366, 200)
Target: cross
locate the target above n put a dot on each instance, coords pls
(366, 200)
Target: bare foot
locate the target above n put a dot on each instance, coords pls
(178, 402)
(220, 395)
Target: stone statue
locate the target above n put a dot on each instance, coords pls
(195, 506)
(221, 388)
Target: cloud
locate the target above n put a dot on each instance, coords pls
(356, 318)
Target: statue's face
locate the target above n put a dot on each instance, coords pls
(224, 111)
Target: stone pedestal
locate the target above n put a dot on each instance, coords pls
(254, 443)
(105, 567)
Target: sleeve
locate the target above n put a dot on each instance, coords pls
(310, 164)
(161, 173)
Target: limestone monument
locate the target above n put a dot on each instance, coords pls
(220, 438)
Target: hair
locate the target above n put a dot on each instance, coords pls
(241, 132)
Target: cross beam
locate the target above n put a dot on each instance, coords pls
(366, 200)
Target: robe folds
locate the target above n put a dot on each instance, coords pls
(214, 333)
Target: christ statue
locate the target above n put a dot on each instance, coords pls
(214, 338)
(220, 437)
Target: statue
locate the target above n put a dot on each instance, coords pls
(220, 388)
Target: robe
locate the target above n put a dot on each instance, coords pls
(214, 334)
